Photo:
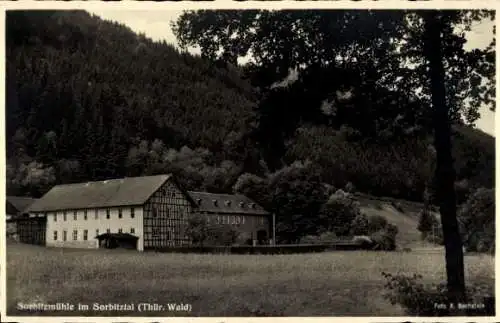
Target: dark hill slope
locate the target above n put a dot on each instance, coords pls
(75, 73)
(83, 89)
(401, 169)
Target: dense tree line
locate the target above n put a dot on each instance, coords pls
(308, 209)
(89, 99)
(81, 90)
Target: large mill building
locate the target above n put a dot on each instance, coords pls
(152, 211)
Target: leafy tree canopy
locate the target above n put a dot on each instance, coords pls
(356, 47)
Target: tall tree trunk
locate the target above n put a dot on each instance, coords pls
(445, 172)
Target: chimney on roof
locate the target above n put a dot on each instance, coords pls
(198, 201)
(228, 203)
(215, 202)
(241, 204)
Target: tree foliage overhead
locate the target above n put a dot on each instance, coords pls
(379, 47)
(360, 69)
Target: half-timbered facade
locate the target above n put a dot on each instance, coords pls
(165, 217)
(154, 209)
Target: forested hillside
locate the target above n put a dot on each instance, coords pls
(89, 99)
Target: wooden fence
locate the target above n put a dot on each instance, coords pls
(266, 249)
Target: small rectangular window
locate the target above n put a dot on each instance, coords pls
(85, 235)
(96, 232)
(85, 214)
(96, 214)
(132, 212)
(65, 235)
(75, 217)
(64, 216)
(55, 235)
(55, 217)
(75, 235)
(119, 213)
(120, 231)
(132, 230)
(107, 214)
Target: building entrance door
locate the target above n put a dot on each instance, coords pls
(262, 237)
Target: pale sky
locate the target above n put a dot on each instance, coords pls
(156, 25)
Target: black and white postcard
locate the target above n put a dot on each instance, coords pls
(196, 160)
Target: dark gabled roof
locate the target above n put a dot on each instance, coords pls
(10, 209)
(18, 204)
(109, 193)
(226, 203)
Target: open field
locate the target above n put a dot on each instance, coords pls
(334, 283)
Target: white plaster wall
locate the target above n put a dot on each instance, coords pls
(93, 223)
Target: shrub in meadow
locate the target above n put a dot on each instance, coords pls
(222, 235)
(198, 230)
(384, 239)
(359, 226)
(376, 223)
(337, 214)
(381, 233)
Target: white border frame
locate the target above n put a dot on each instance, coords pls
(222, 4)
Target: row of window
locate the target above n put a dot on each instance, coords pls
(96, 214)
(85, 234)
(228, 219)
(232, 219)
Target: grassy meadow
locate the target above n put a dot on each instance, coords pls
(321, 284)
